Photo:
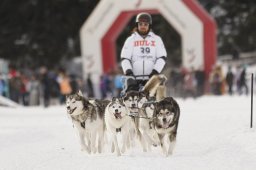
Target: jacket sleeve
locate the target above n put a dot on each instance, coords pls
(160, 55)
(126, 55)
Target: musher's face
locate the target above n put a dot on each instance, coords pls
(143, 27)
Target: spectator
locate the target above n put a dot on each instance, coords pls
(200, 81)
(216, 80)
(189, 84)
(118, 83)
(243, 82)
(34, 91)
(89, 85)
(54, 87)
(45, 81)
(14, 86)
(2, 86)
(230, 80)
(73, 84)
(65, 88)
(24, 91)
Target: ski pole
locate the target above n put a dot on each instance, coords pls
(251, 100)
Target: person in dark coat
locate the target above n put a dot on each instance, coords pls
(73, 84)
(242, 82)
(200, 79)
(90, 86)
(230, 80)
(45, 81)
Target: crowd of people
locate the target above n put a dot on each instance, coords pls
(40, 87)
(194, 83)
(48, 87)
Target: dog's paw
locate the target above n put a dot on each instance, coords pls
(118, 154)
(85, 149)
(149, 148)
(112, 149)
(170, 152)
(99, 149)
(123, 150)
(93, 150)
(164, 151)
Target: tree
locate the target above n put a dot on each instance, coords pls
(39, 32)
(236, 24)
(42, 32)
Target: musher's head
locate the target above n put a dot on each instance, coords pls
(143, 23)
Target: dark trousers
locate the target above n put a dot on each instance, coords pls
(137, 86)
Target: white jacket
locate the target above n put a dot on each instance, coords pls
(143, 55)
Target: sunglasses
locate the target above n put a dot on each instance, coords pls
(143, 24)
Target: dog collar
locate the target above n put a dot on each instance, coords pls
(118, 130)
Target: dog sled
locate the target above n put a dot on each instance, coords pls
(146, 114)
(155, 86)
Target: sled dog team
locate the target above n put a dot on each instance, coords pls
(121, 121)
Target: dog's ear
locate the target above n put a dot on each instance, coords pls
(176, 106)
(85, 102)
(144, 94)
(169, 99)
(114, 99)
(124, 97)
(80, 93)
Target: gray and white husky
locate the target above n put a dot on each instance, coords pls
(167, 113)
(141, 108)
(148, 134)
(118, 122)
(87, 116)
(131, 99)
(134, 100)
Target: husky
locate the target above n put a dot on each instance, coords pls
(154, 90)
(167, 113)
(148, 135)
(134, 100)
(87, 116)
(118, 121)
(131, 99)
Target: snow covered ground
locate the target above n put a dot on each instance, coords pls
(214, 133)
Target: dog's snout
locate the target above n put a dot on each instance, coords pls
(68, 107)
(133, 105)
(164, 119)
(116, 110)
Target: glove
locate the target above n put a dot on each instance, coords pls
(154, 72)
(129, 72)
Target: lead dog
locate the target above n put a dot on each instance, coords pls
(154, 90)
(87, 116)
(134, 100)
(148, 135)
(118, 122)
(167, 113)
